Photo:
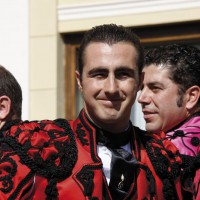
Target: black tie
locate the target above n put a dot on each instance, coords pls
(123, 171)
(123, 164)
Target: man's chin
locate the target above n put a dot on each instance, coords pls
(110, 119)
(151, 129)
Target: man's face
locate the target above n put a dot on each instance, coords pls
(159, 97)
(109, 84)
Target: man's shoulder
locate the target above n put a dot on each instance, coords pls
(42, 145)
(14, 129)
(45, 147)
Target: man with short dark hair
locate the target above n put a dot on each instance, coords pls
(10, 97)
(100, 155)
(170, 103)
(28, 148)
(112, 162)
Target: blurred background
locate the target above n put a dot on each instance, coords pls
(39, 41)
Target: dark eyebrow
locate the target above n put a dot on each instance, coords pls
(155, 83)
(118, 70)
(97, 69)
(127, 70)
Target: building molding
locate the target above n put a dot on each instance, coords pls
(120, 8)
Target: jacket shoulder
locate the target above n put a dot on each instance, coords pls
(46, 147)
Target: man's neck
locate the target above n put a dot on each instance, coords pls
(112, 139)
(2, 123)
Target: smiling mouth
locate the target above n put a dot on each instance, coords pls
(148, 115)
(111, 100)
(110, 103)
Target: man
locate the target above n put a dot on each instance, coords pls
(104, 156)
(29, 148)
(170, 102)
(110, 62)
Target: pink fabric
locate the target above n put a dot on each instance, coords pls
(187, 139)
(191, 130)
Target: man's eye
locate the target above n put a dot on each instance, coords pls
(98, 75)
(156, 89)
(123, 75)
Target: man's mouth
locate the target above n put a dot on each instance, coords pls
(148, 114)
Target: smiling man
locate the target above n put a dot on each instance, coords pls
(112, 162)
(110, 64)
(170, 102)
(100, 155)
(109, 83)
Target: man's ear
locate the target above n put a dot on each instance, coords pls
(5, 107)
(193, 95)
(79, 82)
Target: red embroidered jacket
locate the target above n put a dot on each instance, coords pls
(58, 160)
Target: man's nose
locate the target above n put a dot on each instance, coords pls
(111, 85)
(143, 96)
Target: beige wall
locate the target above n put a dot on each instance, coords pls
(46, 46)
(43, 59)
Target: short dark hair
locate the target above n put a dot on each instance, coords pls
(182, 61)
(110, 34)
(11, 88)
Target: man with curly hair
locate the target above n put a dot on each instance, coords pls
(170, 103)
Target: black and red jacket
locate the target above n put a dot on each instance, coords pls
(58, 160)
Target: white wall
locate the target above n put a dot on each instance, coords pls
(14, 48)
(137, 115)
